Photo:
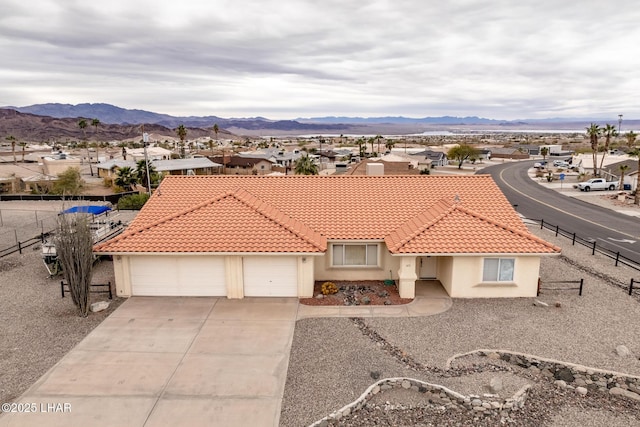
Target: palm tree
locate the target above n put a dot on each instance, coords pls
(82, 124)
(378, 138)
(216, 129)
(95, 123)
(140, 174)
(181, 131)
(362, 146)
(594, 131)
(371, 141)
(544, 151)
(210, 144)
(389, 144)
(23, 145)
(631, 138)
(609, 132)
(12, 139)
(125, 178)
(636, 153)
(305, 166)
(623, 169)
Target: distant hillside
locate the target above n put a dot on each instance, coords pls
(110, 114)
(36, 128)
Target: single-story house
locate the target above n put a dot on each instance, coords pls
(432, 158)
(153, 153)
(236, 165)
(192, 166)
(386, 165)
(630, 174)
(238, 236)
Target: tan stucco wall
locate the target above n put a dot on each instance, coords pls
(388, 266)
(407, 276)
(305, 276)
(462, 278)
(234, 276)
(122, 275)
(55, 167)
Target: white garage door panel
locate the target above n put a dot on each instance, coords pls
(202, 276)
(178, 276)
(270, 276)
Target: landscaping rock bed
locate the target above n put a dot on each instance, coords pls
(361, 292)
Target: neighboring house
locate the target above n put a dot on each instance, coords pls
(382, 167)
(153, 153)
(532, 149)
(236, 165)
(110, 168)
(277, 155)
(193, 166)
(630, 175)
(432, 158)
(238, 236)
(55, 166)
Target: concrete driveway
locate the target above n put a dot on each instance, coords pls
(171, 362)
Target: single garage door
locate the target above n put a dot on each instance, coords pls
(270, 276)
(178, 276)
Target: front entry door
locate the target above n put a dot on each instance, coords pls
(428, 267)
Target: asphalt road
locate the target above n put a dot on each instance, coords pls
(611, 230)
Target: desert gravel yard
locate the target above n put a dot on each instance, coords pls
(333, 362)
(37, 326)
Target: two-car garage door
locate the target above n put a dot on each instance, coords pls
(263, 276)
(178, 276)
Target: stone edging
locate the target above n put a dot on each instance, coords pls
(444, 396)
(565, 375)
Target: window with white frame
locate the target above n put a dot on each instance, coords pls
(498, 269)
(355, 254)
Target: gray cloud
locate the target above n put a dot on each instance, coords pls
(284, 59)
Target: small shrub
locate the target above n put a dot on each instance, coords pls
(329, 288)
(107, 182)
(133, 202)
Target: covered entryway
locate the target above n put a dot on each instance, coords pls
(178, 276)
(270, 276)
(428, 267)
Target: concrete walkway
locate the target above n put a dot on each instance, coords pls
(431, 298)
(170, 361)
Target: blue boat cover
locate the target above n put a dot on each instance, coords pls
(92, 209)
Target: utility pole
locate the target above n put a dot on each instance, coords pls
(619, 122)
(145, 141)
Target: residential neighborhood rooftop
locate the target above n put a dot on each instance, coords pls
(413, 214)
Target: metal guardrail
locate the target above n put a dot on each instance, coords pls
(589, 243)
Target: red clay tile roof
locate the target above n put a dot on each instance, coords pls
(299, 213)
(448, 228)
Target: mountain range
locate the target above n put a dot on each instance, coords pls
(54, 120)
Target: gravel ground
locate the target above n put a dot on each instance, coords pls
(37, 326)
(332, 361)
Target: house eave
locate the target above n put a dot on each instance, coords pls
(480, 254)
(209, 253)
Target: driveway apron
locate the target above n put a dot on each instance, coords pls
(165, 361)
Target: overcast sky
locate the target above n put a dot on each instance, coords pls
(300, 58)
